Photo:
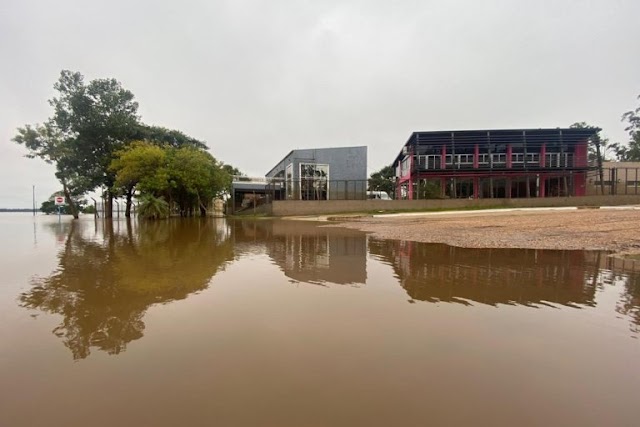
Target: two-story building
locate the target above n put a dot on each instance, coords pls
(494, 163)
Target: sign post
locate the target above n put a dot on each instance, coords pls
(59, 203)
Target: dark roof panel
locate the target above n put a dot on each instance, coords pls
(532, 137)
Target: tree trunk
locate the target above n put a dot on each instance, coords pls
(127, 210)
(108, 212)
(72, 206)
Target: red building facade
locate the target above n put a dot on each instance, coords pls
(502, 163)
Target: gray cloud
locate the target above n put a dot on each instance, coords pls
(256, 79)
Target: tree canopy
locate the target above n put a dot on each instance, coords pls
(383, 180)
(95, 139)
(631, 151)
(187, 176)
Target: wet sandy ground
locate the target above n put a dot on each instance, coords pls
(615, 229)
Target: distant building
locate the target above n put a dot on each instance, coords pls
(494, 163)
(618, 178)
(338, 173)
(321, 174)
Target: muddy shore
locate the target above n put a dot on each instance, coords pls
(613, 229)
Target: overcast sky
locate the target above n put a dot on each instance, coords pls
(256, 79)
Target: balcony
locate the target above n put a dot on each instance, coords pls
(495, 161)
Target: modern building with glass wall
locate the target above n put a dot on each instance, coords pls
(501, 163)
(338, 173)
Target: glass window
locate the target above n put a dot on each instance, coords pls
(314, 180)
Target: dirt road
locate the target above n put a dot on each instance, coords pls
(616, 229)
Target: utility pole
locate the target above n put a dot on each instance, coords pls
(33, 190)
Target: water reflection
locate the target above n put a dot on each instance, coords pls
(440, 273)
(107, 279)
(306, 252)
(626, 274)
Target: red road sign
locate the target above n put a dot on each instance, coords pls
(59, 200)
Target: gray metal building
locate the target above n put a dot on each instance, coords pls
(337, 173)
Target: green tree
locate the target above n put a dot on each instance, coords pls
(140, 166)
(383, 180)
(48, 143)
(152, 207)
(228, 172)
(49, 206)
(167, 137)
(195, 177)
(97, 119)
(89, 123)
(631, 151)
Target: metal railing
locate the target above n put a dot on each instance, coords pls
(615, 181)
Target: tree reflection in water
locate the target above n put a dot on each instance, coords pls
(105, 283)
(625, 272)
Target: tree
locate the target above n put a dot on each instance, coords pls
(96, 119)
(152, 207)
(89, 123)
(167, 137)
(49, 206)
(631, 151)
(195, 177)
(597, 149)
(48, 143)
(140, 166)
(228, 172)
(383, 180)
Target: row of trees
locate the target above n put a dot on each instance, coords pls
(95, 139)
(164, 175)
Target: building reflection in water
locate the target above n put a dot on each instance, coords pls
(440, 273)
(106, 279)
(308, 253)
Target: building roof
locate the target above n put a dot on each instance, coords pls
(311, 149)
(249, 186)
(533, 137)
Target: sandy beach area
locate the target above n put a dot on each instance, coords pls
(608, 228)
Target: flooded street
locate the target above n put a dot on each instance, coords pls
(275, 323)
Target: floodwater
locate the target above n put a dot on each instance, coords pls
(274, 323)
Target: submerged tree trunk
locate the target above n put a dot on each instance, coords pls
(72, 206)
(108, 212)
(127, 209)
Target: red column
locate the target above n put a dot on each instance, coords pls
(579, 184)
(476, 155)
(543, 156)
(476, 186)
(543, 181)
(580, 156)
(411, 175)
(509, 152)
(443, 189)
(443, 162)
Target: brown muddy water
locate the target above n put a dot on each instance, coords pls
(273, 323)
